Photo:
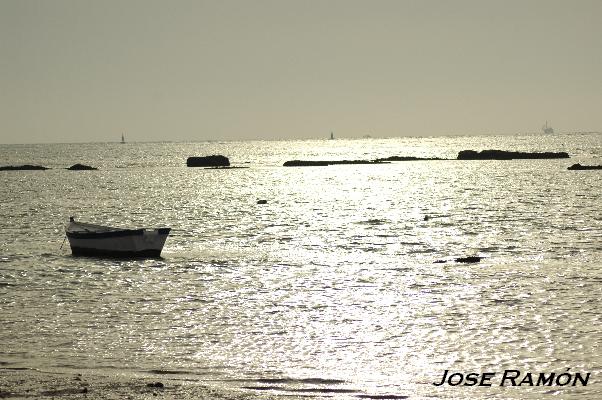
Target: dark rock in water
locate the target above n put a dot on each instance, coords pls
(81, 167)
(407, 158)
(345, 162)
(300, 163)
(507, 155)
(262, 202)
(470, 259)
(321, 163)
(229, 167)
(26, 167)
(208, 161)
(579, 167)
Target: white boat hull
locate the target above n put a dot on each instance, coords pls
(95, 240)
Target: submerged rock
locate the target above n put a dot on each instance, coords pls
(208, 161)
(579, 167)
(228, 167)
(323, 163)
(25, 167)
(81, 167)
(408, 158)
(470, 259)
(507, 155)
(302, 163)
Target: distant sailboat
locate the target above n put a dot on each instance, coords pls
(547, 129)
(122, 139)
(331, 136)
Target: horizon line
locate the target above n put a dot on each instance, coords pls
(327, 138)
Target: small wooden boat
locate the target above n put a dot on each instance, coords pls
(97, 240)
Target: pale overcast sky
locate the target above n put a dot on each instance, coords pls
(80, 70)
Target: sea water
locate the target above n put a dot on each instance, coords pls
(344, 283)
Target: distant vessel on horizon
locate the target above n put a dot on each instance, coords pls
(547, 129)
(122, 139)
(331, 136)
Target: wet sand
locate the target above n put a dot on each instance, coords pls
(33, 384)
(25, 383)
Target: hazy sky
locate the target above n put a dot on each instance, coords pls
(83, 70)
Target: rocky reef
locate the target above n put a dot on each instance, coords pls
(25, 167)
(579, 167)
(408, 158)
(322, 163)
(507, 155)
(81, 167)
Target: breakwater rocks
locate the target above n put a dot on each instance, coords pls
(302, 163)
(81, 167)
(208, 161)
(579, 167)
(26, 167)
(507, 155)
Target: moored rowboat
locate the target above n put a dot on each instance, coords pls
(97, 240)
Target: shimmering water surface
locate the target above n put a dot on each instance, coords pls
(331, 288)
